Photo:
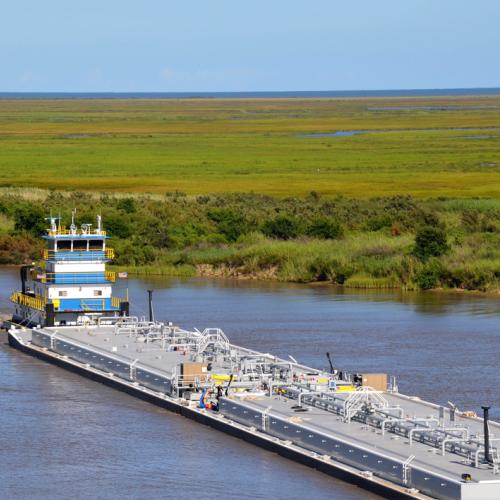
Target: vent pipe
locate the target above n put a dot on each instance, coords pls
(487, 457)
(150, 302)
(24, 277)
(332, 370)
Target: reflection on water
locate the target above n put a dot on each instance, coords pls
(340, 133)
(350, 133)
(62, 435)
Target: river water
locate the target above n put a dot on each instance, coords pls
(64, 436)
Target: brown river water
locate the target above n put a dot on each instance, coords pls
(62, 436)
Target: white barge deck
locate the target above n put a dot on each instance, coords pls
(392, 444)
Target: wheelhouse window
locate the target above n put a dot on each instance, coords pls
(80, 245)
(64, 245)
(96, 245)
(97, 293)
(63, 293)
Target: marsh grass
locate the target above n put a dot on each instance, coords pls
(6, 224)
(208, 146)
(364, 281)
(183, 271)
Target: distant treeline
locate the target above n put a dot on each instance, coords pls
(396, 242)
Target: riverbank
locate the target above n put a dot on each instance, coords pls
(395, 242)
(226, 272)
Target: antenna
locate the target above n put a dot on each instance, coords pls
(73, 226)
(53, 226)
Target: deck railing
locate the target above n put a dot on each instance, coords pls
(62, 231)
(79, 255)
(87, 304)
(116, 301)
(75, 278)
(93, 304)
(36, 302)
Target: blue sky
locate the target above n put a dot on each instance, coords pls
(219, 45)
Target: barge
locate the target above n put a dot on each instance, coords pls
(357, 427)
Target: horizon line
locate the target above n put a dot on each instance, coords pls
(390, 89)
(403, 92)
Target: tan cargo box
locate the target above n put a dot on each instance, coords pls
(377, 381)
(191, 371)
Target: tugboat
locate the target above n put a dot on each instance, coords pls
(357, 427)
(71, 286)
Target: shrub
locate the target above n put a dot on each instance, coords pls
(30, 219)
(472, 278)
(427, 218)
(330, 270)
(324, 228)
(117, 227)
(127, 205)
(430, 275)
(181, 236)
(378, 222)
(281, 227)
(229, 222)
(430, 242)
(400, 203)
(313, 196)
(19, 249)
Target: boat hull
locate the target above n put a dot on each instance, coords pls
(329, 467)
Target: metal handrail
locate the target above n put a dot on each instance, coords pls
(116, 301)
(36, 302)
(107, 253)
(62, 231)
(93, 304)
(75, 278)
(426, 430)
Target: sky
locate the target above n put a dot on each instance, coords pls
(237, 45)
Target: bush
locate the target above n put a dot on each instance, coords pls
(330, 270)
(19, 249)
(327, 229)
(430, 275)
(30, 219)
(281, 227)
(181, 236)
(378, 223)
(127, 205)
(474, 221)
(426, 217)
(116, 226)
(430, 242)
(229, 222)
(472, 278)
